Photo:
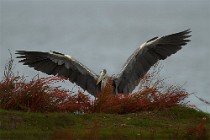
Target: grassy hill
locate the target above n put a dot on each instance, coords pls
(172, 123)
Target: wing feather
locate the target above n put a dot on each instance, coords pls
(56, 63)
(137, 65)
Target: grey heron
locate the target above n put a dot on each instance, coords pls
(137, 65)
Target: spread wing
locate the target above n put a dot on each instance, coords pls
(137, 65)
(55, 63)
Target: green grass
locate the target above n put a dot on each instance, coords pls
(173, 123)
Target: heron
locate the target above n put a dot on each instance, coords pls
(136, 66)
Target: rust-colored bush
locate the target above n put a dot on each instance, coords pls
(38, 95)
(153, 94)
(146, 99)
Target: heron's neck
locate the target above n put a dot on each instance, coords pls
(104, 82)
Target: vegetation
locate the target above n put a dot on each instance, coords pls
(38, 95)
(37, 110)
(172, 123)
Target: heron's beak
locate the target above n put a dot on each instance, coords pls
(99, 79)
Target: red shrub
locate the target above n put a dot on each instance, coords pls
(78, 102)
(154, 94)
(147, 99)
(39, 95)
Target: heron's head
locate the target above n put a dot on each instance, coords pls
(102, 76)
